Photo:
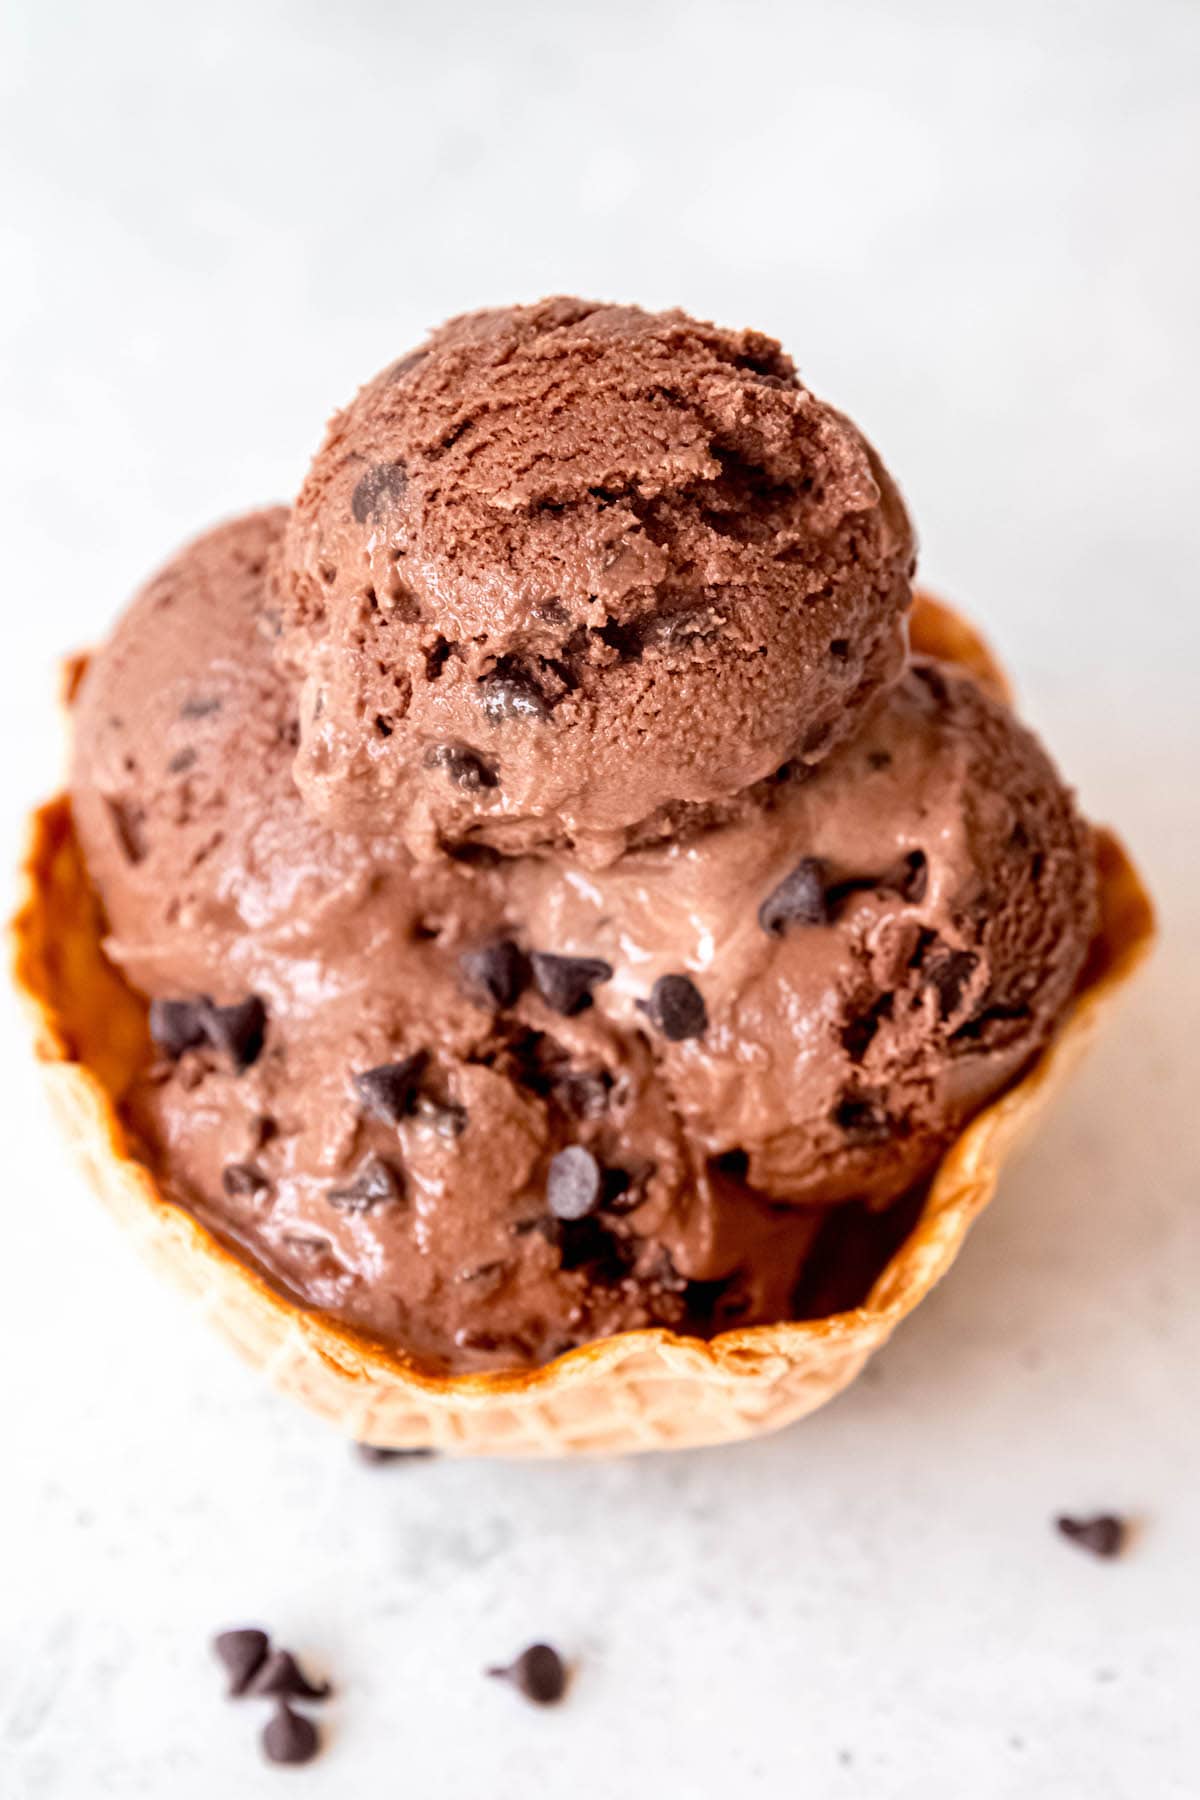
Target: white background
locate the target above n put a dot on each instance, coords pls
(976, 228)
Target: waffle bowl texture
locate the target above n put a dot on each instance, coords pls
(640, 1390)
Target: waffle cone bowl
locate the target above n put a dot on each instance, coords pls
(641, 1390)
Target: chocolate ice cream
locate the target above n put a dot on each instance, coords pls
(580, 574)
(559, 910)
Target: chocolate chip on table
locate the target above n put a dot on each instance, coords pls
(387, 1091)
(288, 1737)
(539, 1673)
(465, 768)
(575, 1183)
(376, 1454)
(566, 982)
(281, 1675)
(798, 900)
(676, 1006)
(381, 486)
(497, 971)
(241, 1180)
(243, 1653)
(1104, 1535)
(374, 1184)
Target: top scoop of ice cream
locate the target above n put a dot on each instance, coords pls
(572, 573)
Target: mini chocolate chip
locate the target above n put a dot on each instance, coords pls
(374, 1184)
(566, 982)
(950, 974)
(465, 768)
(129, 825)
(863, 1118)
(243, 1653)
(289, 1737)
(387, 1090)
(676, 1006)
(282, 1675)
(379, 488)
(584, 1092)
(539, 1673)
(377, 1454)
(913, 877)
(574, 1184)
(512, 695)
(240, 1180)
(199, 707)
(496, 970)
(798, 900)
(1104, 1535)
(237, 1030)
(182, 761)
(177, 1025)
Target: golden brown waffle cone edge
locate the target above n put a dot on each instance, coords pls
(641, 1390)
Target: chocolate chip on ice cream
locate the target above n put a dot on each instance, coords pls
(566, 982)
(676, 1007)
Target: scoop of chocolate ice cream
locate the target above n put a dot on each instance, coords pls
(574, 573)
(837, 979)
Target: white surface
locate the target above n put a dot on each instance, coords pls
(976, 228)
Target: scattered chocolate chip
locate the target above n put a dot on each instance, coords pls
(676, 1006)
(241, 1180)
(379, 488)
(376, 1454)
(497, 970)
(574, 1185)
(949, 975)
(879, 759)
(177, 1025)
(839, 649)
(237, 1030)
(465, 768)
(387, 1090)
(182, 761)
(289, 1737)
(243, 1653)
(374, 1184)
(199, 707)
(863, 1118)
(1104, 1535)
(280, 1675)
(539, 1673)
(566, 982)
(798, 900)
(511, 693)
